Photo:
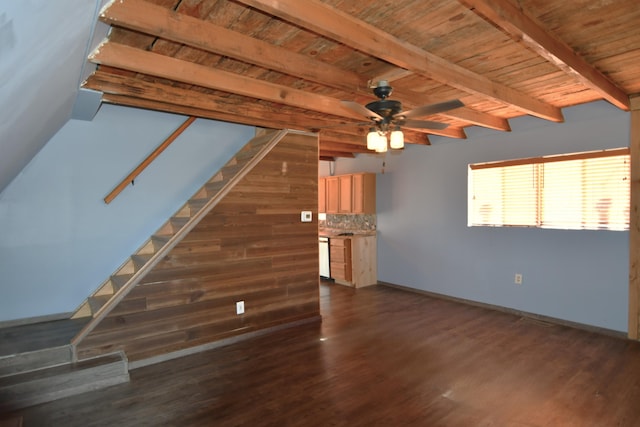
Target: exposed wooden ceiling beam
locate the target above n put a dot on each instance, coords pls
(129, 58)
(344, 28)
(140, 15)
(450, 132)
(392, 75)
(129, 91)
(148, 104)
(256, 114)
(529, 31)
(479, 118)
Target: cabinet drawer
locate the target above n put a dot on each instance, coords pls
(338, 271)
(338, 242)
(337, 254)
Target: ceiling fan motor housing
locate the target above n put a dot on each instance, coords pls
(382, 90)
(386, 108)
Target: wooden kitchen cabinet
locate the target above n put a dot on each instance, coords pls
(322, 194)
(340, 259)
(347, 194)
(345, 197)
(363, 193)
(353, 260)
(332, 194)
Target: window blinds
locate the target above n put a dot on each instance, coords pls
(575, 191)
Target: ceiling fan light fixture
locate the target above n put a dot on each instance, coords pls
(387, 115)
(372, 139)
(381, 146)
(396, 139)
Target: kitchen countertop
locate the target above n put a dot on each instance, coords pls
(333, 232)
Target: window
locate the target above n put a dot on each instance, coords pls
(582, 191)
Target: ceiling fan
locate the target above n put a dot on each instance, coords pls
(387, 117)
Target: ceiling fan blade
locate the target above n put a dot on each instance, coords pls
(424, 124)
(354, 106)
(427, 110)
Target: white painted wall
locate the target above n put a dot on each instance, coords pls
(424, 242)
(59, 240)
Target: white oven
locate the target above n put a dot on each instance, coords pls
(323, 244)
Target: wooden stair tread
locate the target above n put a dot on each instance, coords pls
(178, 222)
(198, 203)
(160, 239)
(119, 280)
(96, 302)
(214, 187)
(140, 260)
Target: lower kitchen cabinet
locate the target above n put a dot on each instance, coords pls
(340, 259)
(353, 260)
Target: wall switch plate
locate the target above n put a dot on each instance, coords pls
(518, 279)
(240, 307)
(306, 216)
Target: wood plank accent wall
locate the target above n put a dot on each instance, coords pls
(252, 247)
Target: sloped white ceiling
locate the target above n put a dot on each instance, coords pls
(43, 46)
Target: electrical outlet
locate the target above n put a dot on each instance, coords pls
(240, 307)
(518, 279)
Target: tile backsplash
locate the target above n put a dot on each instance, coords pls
(364, 222)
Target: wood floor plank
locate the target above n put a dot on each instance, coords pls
(381, 357)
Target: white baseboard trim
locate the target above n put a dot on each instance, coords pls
(217, 344)
(36, 319)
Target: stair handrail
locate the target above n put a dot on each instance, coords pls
(147, 161)
(174, 240)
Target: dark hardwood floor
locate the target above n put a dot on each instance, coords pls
(381, 357)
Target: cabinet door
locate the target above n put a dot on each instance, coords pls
(340, 259)
(332, 194)
(358, 193)
(346, 194)
(322, 195)
(364, 193)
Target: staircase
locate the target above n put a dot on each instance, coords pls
(40, 376)
(35, 375)
(118, 285)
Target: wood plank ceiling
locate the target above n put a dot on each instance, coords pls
(289, 63)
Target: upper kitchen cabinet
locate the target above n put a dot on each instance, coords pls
(363, 189)
(332, 191)
(322, 194)
(348, 194)
(345, 194)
